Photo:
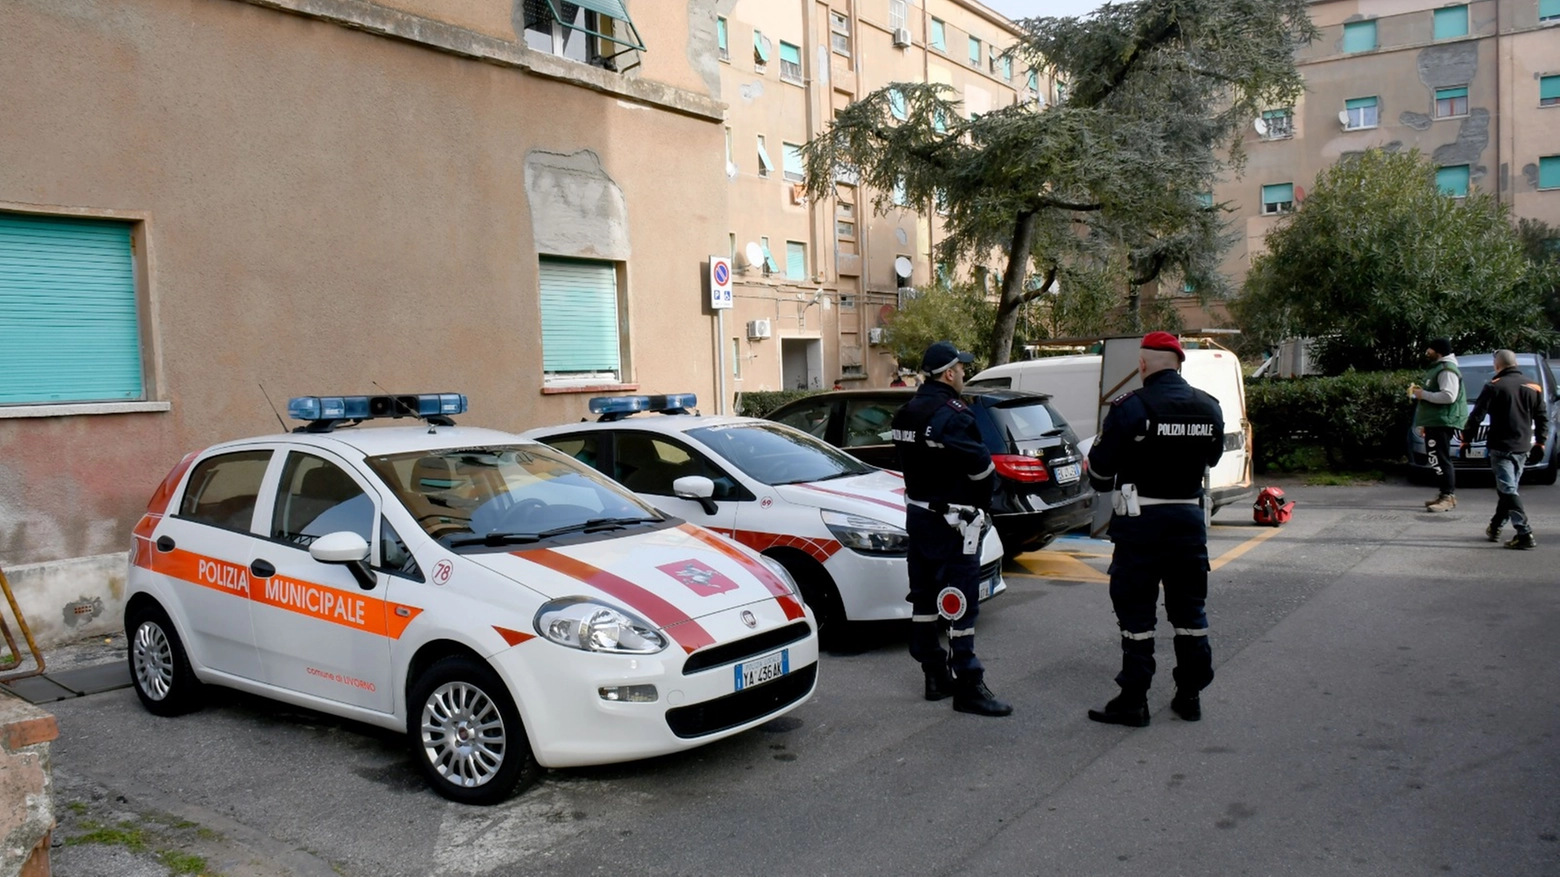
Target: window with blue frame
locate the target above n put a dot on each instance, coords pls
(580, 336)
(69, 314)
(1451, 21)
(795, 260)
(1549, 172)
(1453, 180)
(1359, 36)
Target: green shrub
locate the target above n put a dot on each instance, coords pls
(761, 402)
(1356, 419)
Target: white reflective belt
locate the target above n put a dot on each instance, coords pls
(932, 444)
(1191, 631)
(990, 468)
(968, 631)
(1154, 500)
(924, 617)
(1127, 634)
(918, 504)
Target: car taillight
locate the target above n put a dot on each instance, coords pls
(1021, 468)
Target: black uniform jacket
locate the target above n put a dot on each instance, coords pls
(1161, 438)
(1518, 412)
(940, 449)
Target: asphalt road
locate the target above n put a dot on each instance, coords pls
(1387, 702)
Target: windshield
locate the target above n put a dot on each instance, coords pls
(505, 495)
(775, 454)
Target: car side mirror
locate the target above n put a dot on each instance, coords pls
(347, 549)
(697, 488)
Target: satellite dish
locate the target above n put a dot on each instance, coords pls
(1343, 117)
(1261, 126)
(902, 267)
(754, 253)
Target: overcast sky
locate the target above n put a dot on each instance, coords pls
(1036, 8)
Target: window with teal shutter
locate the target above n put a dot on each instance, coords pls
(722, 37)
(975, 51)
(795, 260)
(1549, 91)
(70, 328)
(939, 38)
(1278, 198)
(1453, 180)
(579, 301)
(1549, 172)
(1549, 10)
(897, 105)
(790, 62)
(791, 158)
(1359, 36)
(1451, 21)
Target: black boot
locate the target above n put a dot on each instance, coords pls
(1125, 709)
(939, 682)
(970, 695)
(1187, 705)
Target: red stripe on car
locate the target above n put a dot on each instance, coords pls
(898, 507)
(688, 633)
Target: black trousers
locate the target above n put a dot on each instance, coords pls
(1136, 571)
(1438, 445)
(937, 561)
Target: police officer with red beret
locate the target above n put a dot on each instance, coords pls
(949, 479)
(1151, 455)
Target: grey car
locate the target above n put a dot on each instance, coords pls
(1477, 369)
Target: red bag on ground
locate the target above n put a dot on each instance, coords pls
(1270, 508)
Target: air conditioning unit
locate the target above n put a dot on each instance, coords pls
(759, 329)
(875, 335)
(901, 38)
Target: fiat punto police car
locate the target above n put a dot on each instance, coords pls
(503, 605)
(836, 523)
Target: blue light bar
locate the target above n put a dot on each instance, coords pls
(325, 408)
(618, 407)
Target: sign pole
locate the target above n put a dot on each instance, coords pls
(720, 302)
(720, 359)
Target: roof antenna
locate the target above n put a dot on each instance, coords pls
(273, 406)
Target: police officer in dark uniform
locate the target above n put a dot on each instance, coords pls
(1151, 454)
(948, 487)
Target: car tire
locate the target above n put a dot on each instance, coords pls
(466, 734)
(818, 592)
(159, 667)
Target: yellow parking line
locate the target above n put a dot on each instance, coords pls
(1242, 548)
(1056, 565)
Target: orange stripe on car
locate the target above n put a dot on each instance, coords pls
(346, 608)
(818, 549)
(689, 633)
(513, 637)
(793, 610)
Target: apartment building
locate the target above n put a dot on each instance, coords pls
(816, 282)
(209, 207)
(1474, 86)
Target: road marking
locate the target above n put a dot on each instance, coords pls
(1057, 565)
(1242, 548)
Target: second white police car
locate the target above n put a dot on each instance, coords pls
(503, 605)
(836, 523)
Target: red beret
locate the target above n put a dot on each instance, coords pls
(1163, 341)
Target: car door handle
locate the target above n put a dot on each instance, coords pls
(261, 569)
(164, 543)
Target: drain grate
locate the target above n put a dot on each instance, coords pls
(67, 684)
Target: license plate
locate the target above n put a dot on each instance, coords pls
(761, 670)
(1476, 453)
(987, 586)
(1067, 474)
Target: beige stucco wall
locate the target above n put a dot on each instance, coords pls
(327, 210)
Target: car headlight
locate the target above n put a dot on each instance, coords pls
(867, 535)
(582, 623)
(781, 573)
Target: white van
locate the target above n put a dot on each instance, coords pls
(1081, 387)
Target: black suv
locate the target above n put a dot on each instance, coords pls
(1042, 486)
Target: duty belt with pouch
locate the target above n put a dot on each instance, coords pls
(967, 519)
(1125, 501)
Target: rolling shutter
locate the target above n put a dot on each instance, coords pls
(579, 317)
(69, 325)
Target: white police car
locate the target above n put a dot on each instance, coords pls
(836, 523)
(502, 604)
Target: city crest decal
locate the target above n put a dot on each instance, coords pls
(700, 578)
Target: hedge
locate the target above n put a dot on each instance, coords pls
(1356, 419)
(760, 402)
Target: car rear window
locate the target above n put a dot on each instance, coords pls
(1028, 419)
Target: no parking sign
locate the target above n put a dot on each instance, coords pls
(720, 282)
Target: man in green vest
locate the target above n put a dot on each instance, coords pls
(1443, 406)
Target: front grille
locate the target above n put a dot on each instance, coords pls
(730, 653)
(741, 707)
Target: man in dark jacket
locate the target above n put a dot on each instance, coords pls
(1150, 458)
(1518, 411)
(949, 479)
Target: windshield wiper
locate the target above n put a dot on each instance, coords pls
(497, 539)
(594, 525)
